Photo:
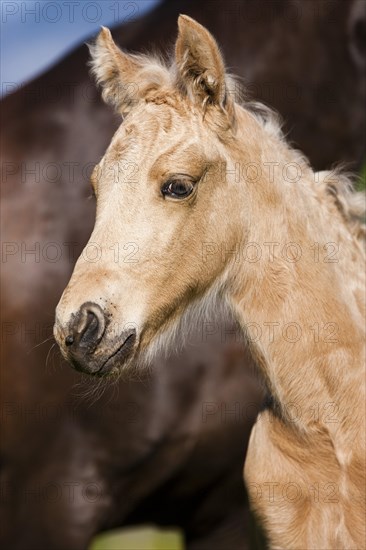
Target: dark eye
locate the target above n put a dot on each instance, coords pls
(178, 189)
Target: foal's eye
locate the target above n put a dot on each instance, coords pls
(178, 188)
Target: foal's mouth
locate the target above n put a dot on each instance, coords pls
(102, 362)
(118, 357)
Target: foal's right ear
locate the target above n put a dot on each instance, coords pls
(115, 71)
(125, 78)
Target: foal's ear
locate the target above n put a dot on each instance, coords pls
(200, 64)
(125, 79)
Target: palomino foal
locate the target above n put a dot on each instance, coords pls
(200, 199)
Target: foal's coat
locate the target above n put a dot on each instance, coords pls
(199, 198)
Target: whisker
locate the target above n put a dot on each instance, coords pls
(48, 354)
(40, 344)
(94, 390)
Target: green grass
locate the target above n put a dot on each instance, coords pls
(139, 538)
(361, 183)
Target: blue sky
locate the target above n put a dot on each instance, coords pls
(35, 34)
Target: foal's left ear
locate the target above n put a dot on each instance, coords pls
(200, 64)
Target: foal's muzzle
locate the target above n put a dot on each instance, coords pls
(85, 344)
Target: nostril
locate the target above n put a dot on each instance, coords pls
(91, 324)
(69, 340)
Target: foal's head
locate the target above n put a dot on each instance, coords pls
(165, 201)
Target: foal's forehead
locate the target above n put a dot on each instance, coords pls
(161, 138)
(155, 126)
(158, 117)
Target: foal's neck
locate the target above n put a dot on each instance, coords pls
(298, 287)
